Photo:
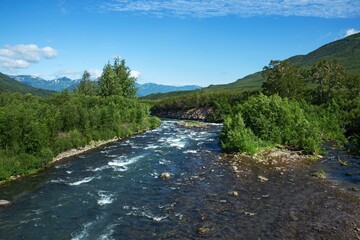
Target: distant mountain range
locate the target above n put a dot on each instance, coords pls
(63, 83)
(151, 88)
(57, 85)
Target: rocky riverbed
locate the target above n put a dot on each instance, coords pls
(288, 201)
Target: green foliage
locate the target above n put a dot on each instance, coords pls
(116, 80)
(329, 77)
(352, 85)
(236, 137)
(273, 120)
(283, 79)
(87, 86)
(33, 130)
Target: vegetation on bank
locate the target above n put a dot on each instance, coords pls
(33, 130)
(298, 107)
(301, 109)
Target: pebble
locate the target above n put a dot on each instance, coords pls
(5, 203)
(263, 179)
(233, 193)
(165, 175)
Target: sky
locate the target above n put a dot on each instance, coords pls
(174, 42)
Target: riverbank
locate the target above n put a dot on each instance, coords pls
(63, 156)
(290, 203)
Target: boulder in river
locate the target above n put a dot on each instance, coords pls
(165, 175)
(5, 203)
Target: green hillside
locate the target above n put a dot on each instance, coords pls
(8, 84)
(346, 51)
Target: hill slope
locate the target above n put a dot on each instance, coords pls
(8, 84)
(346, 51)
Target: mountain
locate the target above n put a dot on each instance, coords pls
(346, 51)
(152, 88)
(8, 84)
(58, 85)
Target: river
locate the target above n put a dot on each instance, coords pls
(115, 193)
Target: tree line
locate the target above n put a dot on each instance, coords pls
(33, 130)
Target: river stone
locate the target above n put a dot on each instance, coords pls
(233, 193)
(262, 178)
(165, 175)
(5, 203)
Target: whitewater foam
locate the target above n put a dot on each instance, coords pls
(122, 162)
(85, 180)
(190, 151)
(105, 198)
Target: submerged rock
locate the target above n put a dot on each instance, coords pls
(5, 203)
(165, 175)
(233, 193)
(203, 230)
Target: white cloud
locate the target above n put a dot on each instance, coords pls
(95, 73)
(13, 64)
(49, 52)
(72, 74)
(351, 31)
(135, 74)
(23, 55)
(243, 8)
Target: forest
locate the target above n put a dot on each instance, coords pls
(33, 129)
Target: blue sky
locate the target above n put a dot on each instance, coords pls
(174, 42)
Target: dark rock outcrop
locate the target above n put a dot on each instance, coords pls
(198, 113)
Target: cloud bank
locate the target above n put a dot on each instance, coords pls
(351, 31)
(22, 56)
(242, 8)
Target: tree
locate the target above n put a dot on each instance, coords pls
(330, 76)
(116, 80)
(87, 86)
(352, 84)
(282, 78)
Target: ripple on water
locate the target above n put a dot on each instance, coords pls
(121, 163)
(144, 212)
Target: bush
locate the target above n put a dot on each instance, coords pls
(272, 120)
(236, 137)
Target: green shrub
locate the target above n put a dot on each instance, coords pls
(272, 120)
(236, 137)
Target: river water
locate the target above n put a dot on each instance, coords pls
(115, 193)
